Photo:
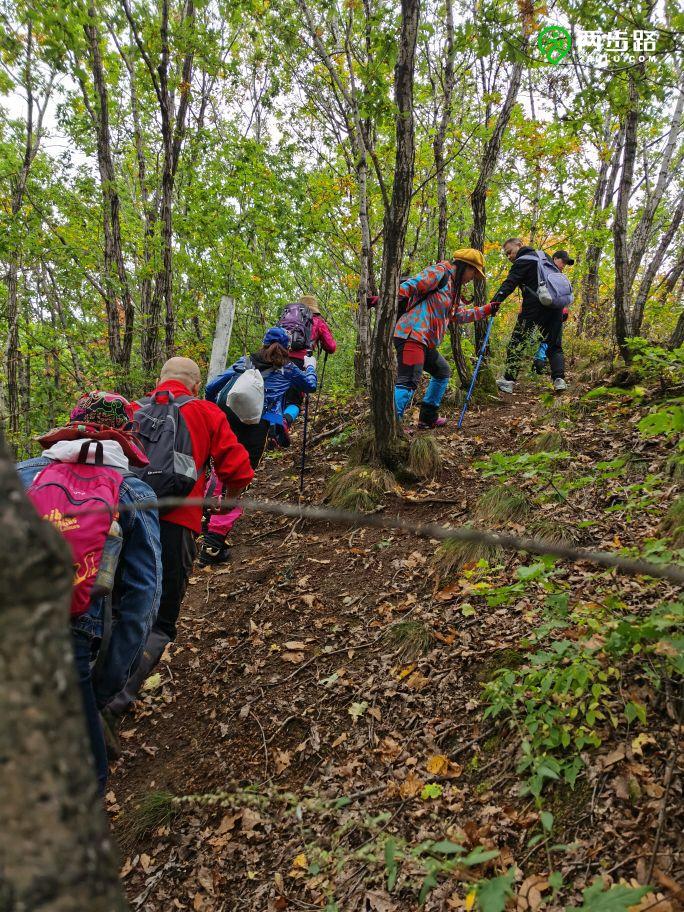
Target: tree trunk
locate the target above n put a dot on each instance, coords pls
(623, 322)
(363, 335)
(119, 303)
(655, 264)
(55, 844)
(383, 415)
(440, 134)
(478, 200)
(221, 343)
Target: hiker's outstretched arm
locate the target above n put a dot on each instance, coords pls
(324, 336)
(217, 384)
(472, 314)
(514, 279)
(305, 381)
(425, 281)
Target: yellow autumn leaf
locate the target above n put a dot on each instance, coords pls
(469, 903)
(437, 764)
(301, 861)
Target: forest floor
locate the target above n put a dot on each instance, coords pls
(322, 713)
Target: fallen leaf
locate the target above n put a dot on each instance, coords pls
(411, 786)
(295, 645)
(530, 893)
(295, 657)
(439, 765)
(145, 862)
(282, 760)
(152, 682)
(300, 861)
(340, 739)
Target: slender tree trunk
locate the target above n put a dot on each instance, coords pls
(383, 415)
(624, 329)
(363, 335)
(478, 200)
(119, 303)
(677, 337)
(55, 844)
(655, 264)
(440, 133)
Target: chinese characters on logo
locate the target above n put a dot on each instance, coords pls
(615, 47)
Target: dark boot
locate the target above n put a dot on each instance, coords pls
(214, 550)
(151, 654)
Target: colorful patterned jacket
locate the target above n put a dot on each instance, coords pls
(427, 322)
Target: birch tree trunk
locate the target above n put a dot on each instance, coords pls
(55, 845)
(623, 323)
(224, 330)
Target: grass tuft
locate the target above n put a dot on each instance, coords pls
(673, 523)
(500, 504)
(425, 457)
(674, 467)
(410, 639)
(554, 531)
(359, 488)
(546, 442)
(153, 810)
(453, 555)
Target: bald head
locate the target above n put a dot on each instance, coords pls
(185, 371)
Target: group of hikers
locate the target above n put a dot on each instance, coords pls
(121, 479)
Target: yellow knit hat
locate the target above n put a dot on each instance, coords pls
(311, 303)
(472, 257)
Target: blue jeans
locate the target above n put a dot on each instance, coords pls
(85, 646)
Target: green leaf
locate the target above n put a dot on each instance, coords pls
(391, 863)
(446, 847)
(634, 710)
(478, 856)
(546, 818)
(431, 790)
(492, 894)
(616, 899)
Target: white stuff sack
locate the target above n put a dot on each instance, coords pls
(246, 396)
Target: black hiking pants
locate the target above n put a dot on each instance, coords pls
(178, 554)
(549, 321)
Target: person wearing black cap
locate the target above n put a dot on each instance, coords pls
(533, 315)
(561, 259)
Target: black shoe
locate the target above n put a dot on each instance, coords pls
(110, 727)
(213, 552)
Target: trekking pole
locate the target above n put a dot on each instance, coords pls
(320, 390)
(475, 372)
(306, 423)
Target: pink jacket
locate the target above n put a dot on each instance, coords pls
(320, 335)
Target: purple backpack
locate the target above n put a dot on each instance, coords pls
(554, 289)
(297, 321)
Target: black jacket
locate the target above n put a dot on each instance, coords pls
(523, 274)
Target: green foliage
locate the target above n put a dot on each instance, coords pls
(547, 442)
(563, 700)
(453, 555)
(501, 504)
(598, 898)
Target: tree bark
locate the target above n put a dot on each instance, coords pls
(383, 415)
(478, 200)
(656, 263)
(55, 844)
(440, 133)
(119, 304)
(624, 329)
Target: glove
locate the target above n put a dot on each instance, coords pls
(372, 300)
(494, 307)
(309, 361)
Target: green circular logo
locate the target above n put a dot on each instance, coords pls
(554, 43)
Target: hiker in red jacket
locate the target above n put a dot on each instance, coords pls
(321, 337)
(212, 439)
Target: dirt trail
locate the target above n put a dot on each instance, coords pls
(285, 681)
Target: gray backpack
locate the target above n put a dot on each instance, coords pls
(555, 290)
(168, 444)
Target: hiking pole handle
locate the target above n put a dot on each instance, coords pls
(475, 372)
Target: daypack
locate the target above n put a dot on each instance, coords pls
(297, 320)
(162, 429)
(81, 502)
(404, 305)
(244, 394)
(555, 290)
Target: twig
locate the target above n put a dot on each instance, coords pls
(422, 530)
(263, 738)
(321, 655)
(667, 782)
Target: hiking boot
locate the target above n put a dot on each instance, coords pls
(110, 729)
(437, 423)
(214, 550)
(505, 386)
(559, 385)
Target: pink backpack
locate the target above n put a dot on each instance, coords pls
(72, 496)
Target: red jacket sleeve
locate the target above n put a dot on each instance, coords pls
(231, 462)
(323, 335)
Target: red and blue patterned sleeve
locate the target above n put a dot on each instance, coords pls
(424, 282)
(471, 314)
